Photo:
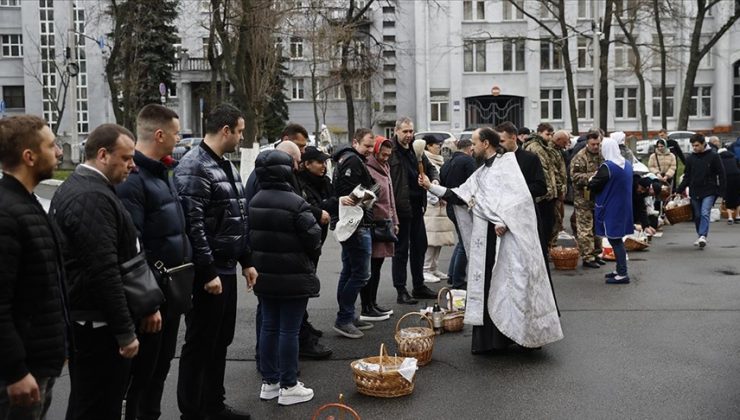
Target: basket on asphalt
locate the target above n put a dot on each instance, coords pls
(386, 383)
(564, 258)
(632, 244)
(452, 320)
(678, 214)
(416, 342)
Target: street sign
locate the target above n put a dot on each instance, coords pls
(162, 89)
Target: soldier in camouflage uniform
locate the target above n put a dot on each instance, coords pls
(560, 142)
(541, 145)
(583, 166)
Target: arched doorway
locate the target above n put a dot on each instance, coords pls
(489, 110)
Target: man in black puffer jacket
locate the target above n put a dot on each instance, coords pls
(33, 314)
(215, 208)
(285, 241)
(99, 237)
(150, 197)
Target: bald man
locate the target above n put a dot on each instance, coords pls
(561, 142)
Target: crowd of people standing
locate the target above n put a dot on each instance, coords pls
(499, 200)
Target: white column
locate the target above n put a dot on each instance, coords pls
(186, 107)
(723, 84)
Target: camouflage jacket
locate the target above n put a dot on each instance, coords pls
(553, 165)
(582, 167)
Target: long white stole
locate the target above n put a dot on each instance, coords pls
(520, 299)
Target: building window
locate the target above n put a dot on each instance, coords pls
(319, 91)
(172, 91)
(474, 10)
(440, 102)
(298, 92)
(626, 8)
(551, 104)
(669, 99)
(389, 132)
(359, 91)
(584, 53)
(389, 82)
(625, 103)
(14, 96)
(389, 109)
(12, 45)
(585, 9)
(47, 50)
(389, 54)
(389, 67)
(550, 57)
(510, 12)
(624, 56)
(296, 47)
(389, 38)
(10, 3)
(389, 10)
(545, 11)
(701, 102)
(389, 23)
(474, 56)
(585, 103)
(513, 55)
(706, 61)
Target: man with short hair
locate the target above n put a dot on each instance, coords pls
(705, 177)
(560, 142)
(411, 202)
(150, 197)
(33, 307)
(297, 134)
(453, 173)
(352, 171)
(215, 206)
(99, 237)
(584, 165)
(523, 135)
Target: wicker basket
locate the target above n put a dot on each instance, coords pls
(416, 342)
(564, 258)
(632, 244)
(387, 383)
(453, 319)
(679, 214)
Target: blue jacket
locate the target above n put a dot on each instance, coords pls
(613, 209)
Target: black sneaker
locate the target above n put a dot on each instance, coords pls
(312, 349)
(313, 330)
(382, 309)
(591, 264)
(230, 413)
(600, 261)
(405, 299)
(372, 314)
(423, 292)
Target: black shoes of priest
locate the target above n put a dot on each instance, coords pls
(423, 292)
(405, 299)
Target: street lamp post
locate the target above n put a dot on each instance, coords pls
(597, 74)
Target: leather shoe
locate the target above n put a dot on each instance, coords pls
(591, 264)
(600, 261)
(423, 292)
(405, 299)
(230, 413)
(313, 330)
(312, 349)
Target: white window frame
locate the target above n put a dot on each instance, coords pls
(624, 97)
(474, 10)
(12, 45)
(548, 99)
(439, 106)
(359, 91)
(624, 57)
(10, 3)
(545, 13)
(585, 103)
(670, 98)
(475, 47)
(699, 95)
(586, 9)
(551, 54)
(298, 89)
(706, 61)
(9, 104)
(389, 132)
(511, 13)
(584, 50)
(296, 48)
(516, 49)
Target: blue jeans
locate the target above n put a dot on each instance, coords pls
(281, 321)
(458, 263)
(356, 252)
(702, 207)
(620, 253)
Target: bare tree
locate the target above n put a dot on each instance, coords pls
(604, 42)
(657, 15)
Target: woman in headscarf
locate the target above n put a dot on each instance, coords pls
(663, 163)
(612, 185)
(625, 151)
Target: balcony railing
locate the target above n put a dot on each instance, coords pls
(193, 64)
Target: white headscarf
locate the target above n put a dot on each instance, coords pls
(618, 136)
(610, 151)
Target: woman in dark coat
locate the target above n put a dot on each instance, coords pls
(285, 240)
(732, 185)
(612, 185)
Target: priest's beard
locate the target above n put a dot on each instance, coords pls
(480, 159)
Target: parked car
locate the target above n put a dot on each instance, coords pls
(449, 141)
(647, 147)
(184, 146)
(465, 135)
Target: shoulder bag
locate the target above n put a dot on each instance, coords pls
(177, 284)
(142, 291)
(383, 231)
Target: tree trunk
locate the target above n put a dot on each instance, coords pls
(604, 66)
(572, 104)
(662, 53)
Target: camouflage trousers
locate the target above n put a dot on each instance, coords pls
(558, 226)
(582, 222)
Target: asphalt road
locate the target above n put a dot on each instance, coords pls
(666, 346)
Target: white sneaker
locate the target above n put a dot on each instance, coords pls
(441, 275)
(430, 278)
(696, 242)
(702, 241)
(269, 391)
(295, 395)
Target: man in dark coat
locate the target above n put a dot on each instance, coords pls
(215, 208)
(99, 237)
(411, 201)
(453, 173)
(705, 178)
(150, 197)
(33, 313)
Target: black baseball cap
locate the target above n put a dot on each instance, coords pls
(313, 153)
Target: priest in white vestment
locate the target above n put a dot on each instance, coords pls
(509, 297)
